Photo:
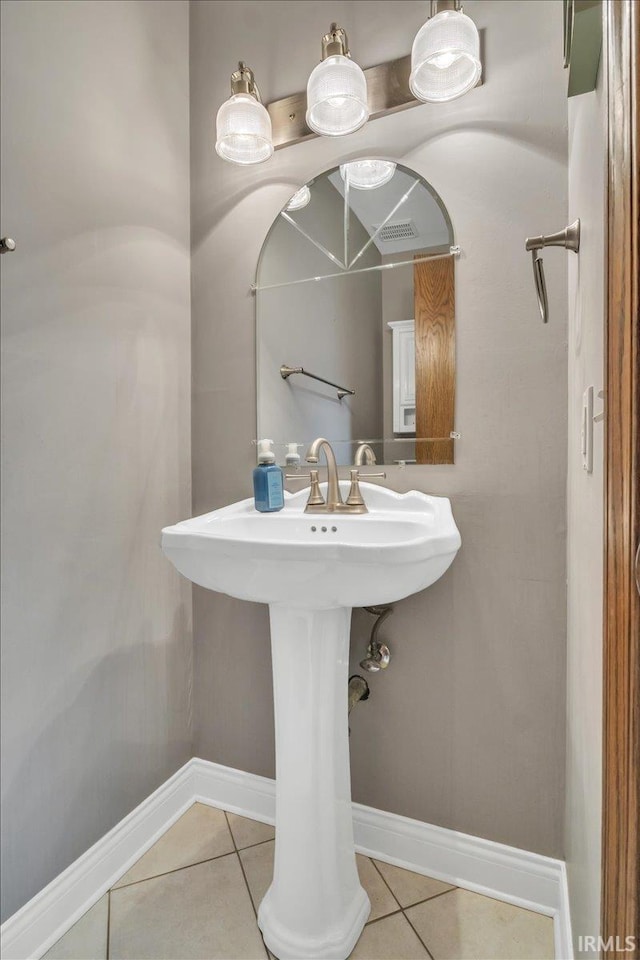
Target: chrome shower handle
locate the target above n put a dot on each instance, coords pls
(541, 286)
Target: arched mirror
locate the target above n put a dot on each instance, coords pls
(355, 316)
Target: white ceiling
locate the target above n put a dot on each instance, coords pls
(372, 207)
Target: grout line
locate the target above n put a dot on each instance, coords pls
(186, 865)
(379, 872)
(233, 839)
(244, 875)
(435, 896)
(248, 845)
(108, 922)
(429, 954)
(395, 913)
(259, 843)
(426, 900)
(418, 902)
(246, 883)
(165, 873)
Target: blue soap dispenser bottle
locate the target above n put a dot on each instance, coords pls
(268, 486)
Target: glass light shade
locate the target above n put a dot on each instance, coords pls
(243, 130)
(300, 199)
(445, 58)
(368, 174)
(336, 97)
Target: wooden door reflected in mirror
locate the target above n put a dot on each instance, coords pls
(435, 347)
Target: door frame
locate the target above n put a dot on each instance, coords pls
(621, 665)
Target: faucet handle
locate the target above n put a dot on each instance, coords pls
(370, 476)
(315, 496)
(355, 496)
(355, 501)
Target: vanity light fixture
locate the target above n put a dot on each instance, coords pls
(445, 58)
(243, 124)
(367, 174)
(337, 89)
(300, 199)
(340, 97)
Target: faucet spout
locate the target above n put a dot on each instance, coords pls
(334, 499)
(364, 456)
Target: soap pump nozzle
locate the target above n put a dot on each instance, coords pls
(265, 451)
(292, 458)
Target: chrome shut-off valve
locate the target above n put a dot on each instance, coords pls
(378, 654)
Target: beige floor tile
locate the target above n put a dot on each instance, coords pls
(248, 832)
(467, 926)
(389, 939)
(200, 834)
(87, 938)
(409, 887)
(258, 868)
(382, 900)
(202, 911)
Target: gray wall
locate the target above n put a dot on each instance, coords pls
(587, 173)
(96, 666)
(467, 727)
(331, 328)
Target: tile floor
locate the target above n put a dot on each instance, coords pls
(195, 893)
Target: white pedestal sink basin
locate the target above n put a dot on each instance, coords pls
(312, 569)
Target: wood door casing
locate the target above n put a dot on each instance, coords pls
(621, 734)
(435, 334)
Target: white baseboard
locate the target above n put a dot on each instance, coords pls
(505, 873)
(39, 923)
(234, 790)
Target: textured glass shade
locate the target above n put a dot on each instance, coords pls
(336, 97)
(243, 130)
(300, 199)
(367, 174)
(445, 58)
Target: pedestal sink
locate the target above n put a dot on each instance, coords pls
(311, 570)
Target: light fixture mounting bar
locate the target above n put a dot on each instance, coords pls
(387, 92)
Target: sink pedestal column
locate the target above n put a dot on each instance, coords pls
(315, 906)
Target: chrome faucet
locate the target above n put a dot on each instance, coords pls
(334, 503)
